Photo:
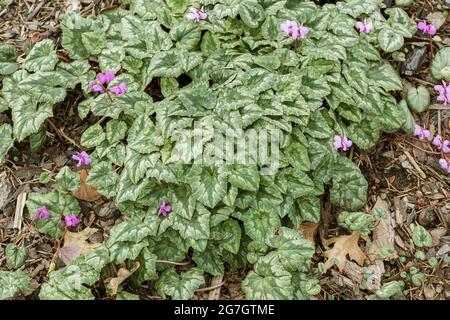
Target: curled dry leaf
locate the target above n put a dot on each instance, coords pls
(76, 244)
(122, 275)
(309, 230)
(85, 192)
(343, 246)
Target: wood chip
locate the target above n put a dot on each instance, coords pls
(18, 215)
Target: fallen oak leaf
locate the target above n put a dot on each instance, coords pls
(122, 275)
(343, 246)
(76, 244)
(85, 192)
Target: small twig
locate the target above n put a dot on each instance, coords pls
(61, 135)
(186, 263)
(415, 165)
(211, 287)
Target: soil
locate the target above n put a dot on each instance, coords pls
(414, 186)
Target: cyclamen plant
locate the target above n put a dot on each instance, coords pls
(225, 66)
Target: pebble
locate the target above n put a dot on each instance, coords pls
(414, 61)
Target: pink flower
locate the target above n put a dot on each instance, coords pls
(427, 28)
(421, 132)
(41, 213)
(364, 27)
(95, 87)
(444, 93)
(437, 142)
(164, 209)
(197, 14)
(446, 146)
(292, 29)
(342, 143)
(82, 158)
(120, 89)
(71, 220)
(107, 77)
(444, 165)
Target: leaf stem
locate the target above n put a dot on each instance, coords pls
(186, 263)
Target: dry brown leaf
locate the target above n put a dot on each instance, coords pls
(436, 235)
(309, 230)
(122, 275)
(343, 246)
(85, 192)
(76, 244)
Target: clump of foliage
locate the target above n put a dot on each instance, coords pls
(234, 69)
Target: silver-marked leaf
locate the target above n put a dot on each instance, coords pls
(13, 282)
(180, 287)
(93, 136)
(6, 140)
(42, 57)
(67, 179)
(15, 256)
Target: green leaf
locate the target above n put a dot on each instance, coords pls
(251, 13)
(418, 98)
(93, 41)
(8, 57)
(233, 229)
(410, 122)
(385, 76)
(208, 184)
(13, 282)
(259, 225)
(245, 177)
(58, 204)
(103, 178)
(180, 287)
(209, 261)
(196, 228)
(15, 256)
(357, 221)
(421, 237)
(440, 63)
(6, 140)
(390, 40)
(115, 130)
(67, 179)
(310, 209)
(147, 270)
(93, 136)
(186, 35)
(390, 289)
(349, 185)
(268, 281)
(42, 57)
(38, 139)
(291, 249)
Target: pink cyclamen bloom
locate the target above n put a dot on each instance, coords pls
(446, 146)
(444, 165)
(82, 158)
(197, 14)
(437, 142)
(41, 213)
(107, 77)
(342, 143)
(120, 89)
(427, 28)
(444, 93)
(71, 220)
(421, 132)
(364, 27)
(292, 29)
(95, 87)
(164, 209)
